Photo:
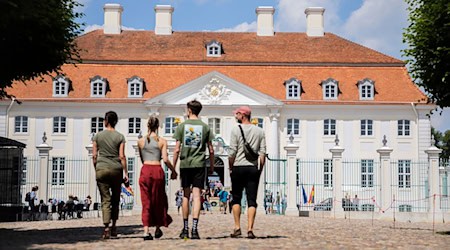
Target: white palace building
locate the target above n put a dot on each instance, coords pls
(305, 89)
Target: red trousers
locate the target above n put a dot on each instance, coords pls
(153, 196)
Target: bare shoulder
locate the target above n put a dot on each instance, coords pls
(141, 142)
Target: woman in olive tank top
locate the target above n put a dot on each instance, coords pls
(152, 184)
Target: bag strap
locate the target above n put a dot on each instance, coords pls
(242, 132)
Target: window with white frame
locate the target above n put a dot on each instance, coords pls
(96, 124)
(258, 122)
(23, 179)
(293, 126)
(58, 171)
(366, 127)
(329, 127)
(170, 125)
(293, 89)
(21, 124)
(330, 89)
(134, 125)
(404, 173)
(366, 89)
(131, 167)
(403, 128)
(366, 173)
(327, 173)
(214, 49)
(60, 86)
(135, 86)
(98, 86)
(214, 124)
(59, 125)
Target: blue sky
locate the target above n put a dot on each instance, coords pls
(377, 24)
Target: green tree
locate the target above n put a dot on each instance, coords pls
(442, 141)
(428, 52)
(36, 39)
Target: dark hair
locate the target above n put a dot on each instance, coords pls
(153, 124)
(35, 188)
(195, 106)
(111, 118)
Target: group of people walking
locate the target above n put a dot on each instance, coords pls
(193, 137)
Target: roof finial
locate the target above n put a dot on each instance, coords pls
(336, 140)
(384, 141)
(140, 134)
(44, 138)
(291, 138)
(433, 141)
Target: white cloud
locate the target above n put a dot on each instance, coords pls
(85, 4)
(90, 28)
(378, 24)
(441, 122)
(243, 27)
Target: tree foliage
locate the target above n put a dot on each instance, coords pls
(442, 141)
(428, 52)
(36, 39)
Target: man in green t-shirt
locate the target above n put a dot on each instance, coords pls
(192, 137)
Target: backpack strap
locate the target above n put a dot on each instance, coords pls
(242, 133)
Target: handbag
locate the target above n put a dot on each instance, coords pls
(250, 154)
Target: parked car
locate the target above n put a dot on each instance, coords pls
(324, 205)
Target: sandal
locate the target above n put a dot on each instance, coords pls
(236, 233)
(106, 233)
(158, 233)
(250, 235)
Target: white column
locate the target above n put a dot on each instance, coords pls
(274, 145)
(385, 179)
(291, 153)
(336, 153)
(44, 168)
(433, 180)
(137, 171)
(92, 178)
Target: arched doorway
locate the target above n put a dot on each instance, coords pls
(219, 170)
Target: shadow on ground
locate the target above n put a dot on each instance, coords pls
(9, 237)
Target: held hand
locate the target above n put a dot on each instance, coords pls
(173, 175)
(211, 171)
(125, 179)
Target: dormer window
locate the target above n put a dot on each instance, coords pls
(293, 89)
(135, 86)
(366, 89)
(60, 86)
(213, 49)
(98, 86)
(330, 89)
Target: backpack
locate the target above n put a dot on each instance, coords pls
(28, 196)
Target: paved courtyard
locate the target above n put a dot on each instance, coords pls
(285, 232)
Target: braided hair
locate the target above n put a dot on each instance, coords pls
(152, 125)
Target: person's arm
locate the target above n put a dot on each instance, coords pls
(211, 157)
(232, 150)
(262, 153)
(94, 153)
(123, 160)
(176, 153)
(173, 175)
(140, 145)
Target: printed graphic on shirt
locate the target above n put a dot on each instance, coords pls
(193, 135)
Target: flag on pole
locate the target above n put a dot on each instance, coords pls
(127, 190)
(311, 196)
(305, 197)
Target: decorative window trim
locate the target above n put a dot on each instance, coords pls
(369, 94)
(366, 127)
(100, 83)
(135, 86)
(330, 87)
(293, 89)
(214, 49)
(329, 127)
(61, 86)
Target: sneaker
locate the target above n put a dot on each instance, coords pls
(158, 233)
(236, 233)
(148, 237)
(194, 235)
(184, 234)
(250, 235)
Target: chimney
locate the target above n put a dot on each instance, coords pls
(163, 19)
(113, 18)
(264, 16)
(314, 21)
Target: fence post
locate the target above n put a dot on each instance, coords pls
(137, 170)
(433, 180)
(291, 168)
(44, 153)
(336, 153)
(386, 178)
(92, 179)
